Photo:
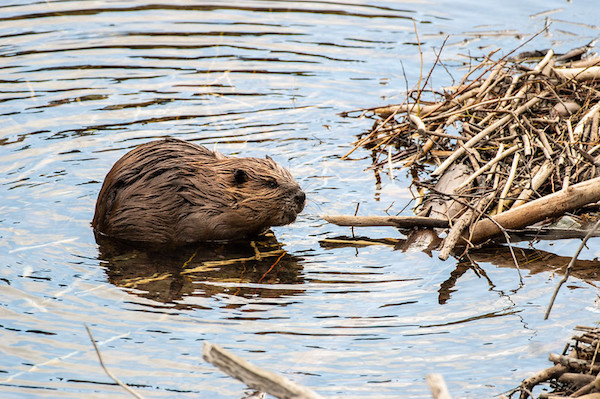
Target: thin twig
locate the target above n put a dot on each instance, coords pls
(570, 266)
(108, 373)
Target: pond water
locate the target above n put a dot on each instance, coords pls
(82, 82)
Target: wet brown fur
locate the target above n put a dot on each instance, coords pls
(175, 192)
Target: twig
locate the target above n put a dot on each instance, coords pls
(108, 373)
(570, 266)
(454, 234)
(489, 165)
(419, 91)
(508, 184)
(544, 375)
(491, 128)
(542, 174)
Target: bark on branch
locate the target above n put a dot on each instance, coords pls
(253, 376)
(549, 206)
(405, 222)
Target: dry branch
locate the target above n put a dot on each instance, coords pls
(476, 139)
(405, 222)
(253, 376)
(580, 74)
(549, 206)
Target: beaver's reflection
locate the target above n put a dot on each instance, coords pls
(246, 268)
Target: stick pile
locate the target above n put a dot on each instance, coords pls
(523, 131)
(575, 371)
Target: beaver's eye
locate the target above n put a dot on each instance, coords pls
(272, 184)
(240, 176)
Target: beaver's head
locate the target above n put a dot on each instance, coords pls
(262, 192)
(239, 197)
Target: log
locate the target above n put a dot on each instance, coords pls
(549, 206)
(253, 376)
(404, 222)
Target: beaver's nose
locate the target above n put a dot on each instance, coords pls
(299, 199)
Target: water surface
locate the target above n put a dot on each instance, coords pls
(82, 82)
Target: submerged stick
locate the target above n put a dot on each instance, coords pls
(253, 376)
(570, 266)
(108, 373)
(405, 222)
(438, 387)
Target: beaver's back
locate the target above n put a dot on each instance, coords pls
(138, 199)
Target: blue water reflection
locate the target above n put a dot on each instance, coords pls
(83, 82)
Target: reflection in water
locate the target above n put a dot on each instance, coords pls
(238, 269)
(534, 260)
(83, 81)
(538, 261)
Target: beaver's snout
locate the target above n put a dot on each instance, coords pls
(299, 199)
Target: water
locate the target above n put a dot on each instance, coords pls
(82, 82)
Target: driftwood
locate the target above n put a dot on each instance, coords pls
(404, 222)
(253, 376)
(569, 199)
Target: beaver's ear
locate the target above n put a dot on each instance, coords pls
(240, 176)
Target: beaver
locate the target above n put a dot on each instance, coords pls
(173, 192)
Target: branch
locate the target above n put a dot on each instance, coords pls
(108, 373)
(253, 376)
(403, 222)
(552, 205)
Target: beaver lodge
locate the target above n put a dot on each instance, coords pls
(512, 148)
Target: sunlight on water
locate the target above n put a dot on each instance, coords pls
(84, 81)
